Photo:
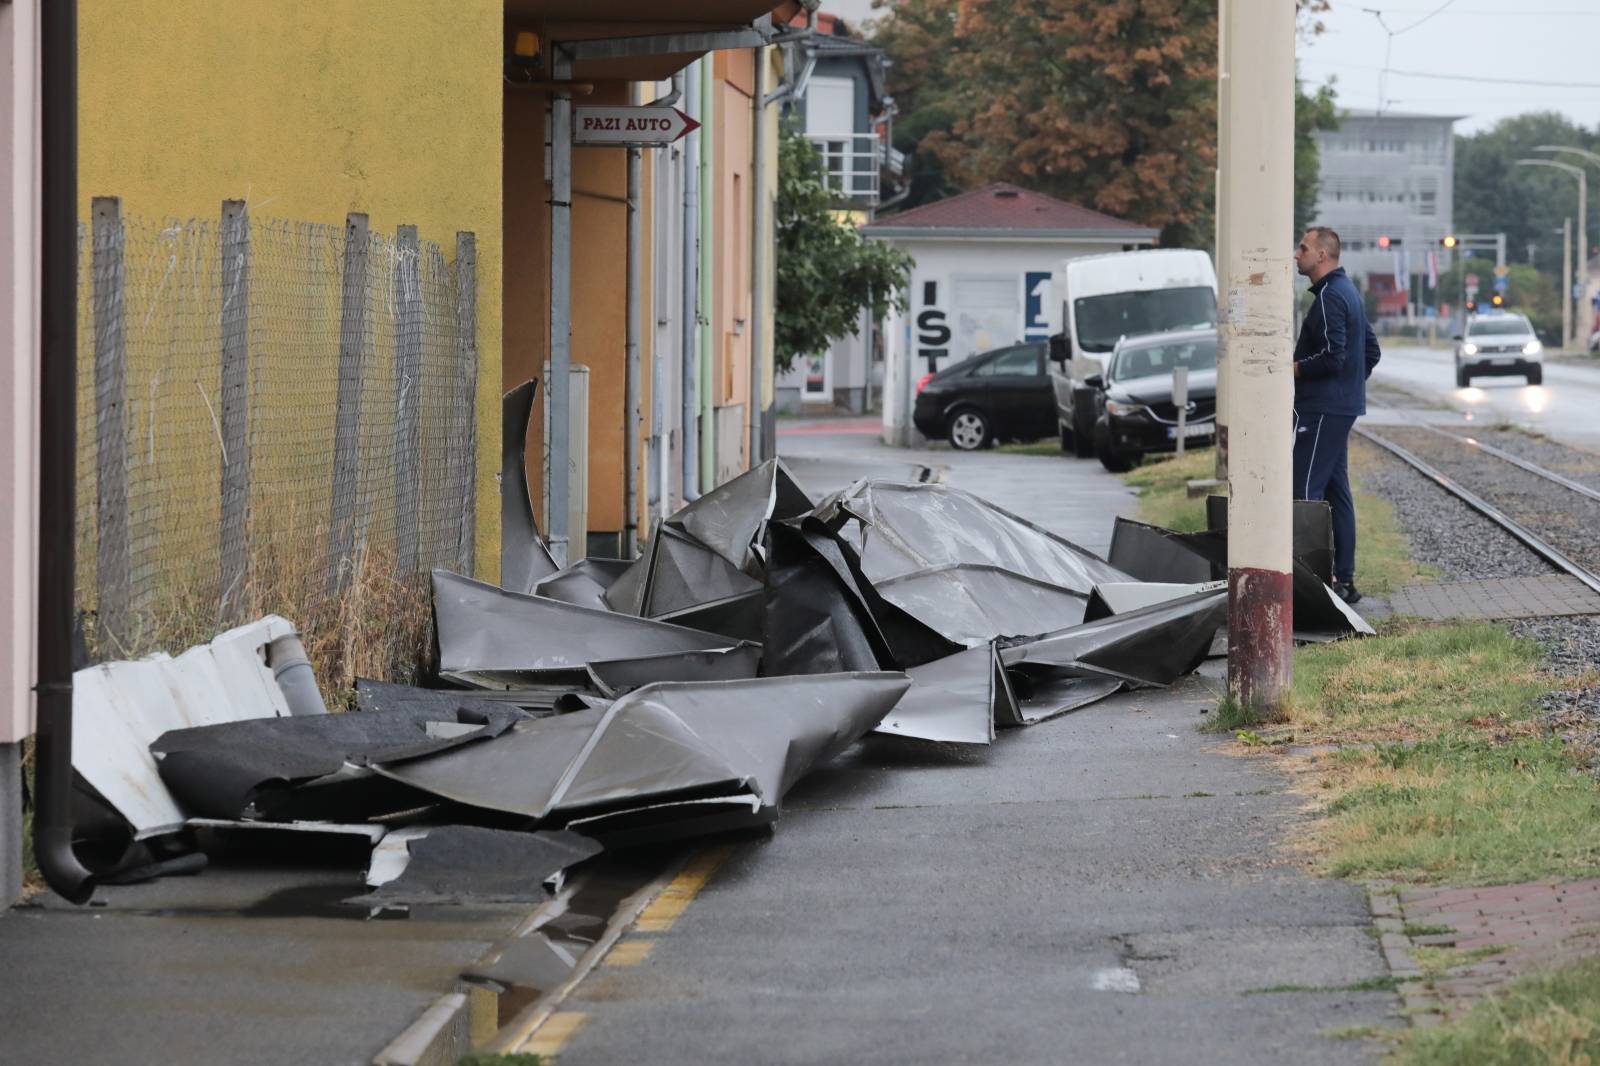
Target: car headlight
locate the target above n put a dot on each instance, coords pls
(1532, 348)
(1469, 349)
(1120, 407)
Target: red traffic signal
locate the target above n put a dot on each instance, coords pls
(1383, 242)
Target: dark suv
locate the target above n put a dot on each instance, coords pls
(1135, 414)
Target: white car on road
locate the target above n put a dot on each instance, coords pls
(1498, 344)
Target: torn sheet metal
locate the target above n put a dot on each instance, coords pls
(1311, 532)
(955, 700)
(249, 769)
(814, 623)
(614, 677)
(739, 618)
(907, 528)
(584, 582)
(1152, 554)
(1120, 597)
(524, 557)
(487, 634)
(686, 574)
(464, 863)
(1042, 692)
(727, 743)
(975, 604)
(1154, 645)
(900, 638)
(120, 708)
(729, 519)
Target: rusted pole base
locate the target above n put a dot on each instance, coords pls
(1260, 637)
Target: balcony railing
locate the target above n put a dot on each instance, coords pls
(854, 162)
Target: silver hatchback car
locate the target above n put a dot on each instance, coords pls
(1495, 345)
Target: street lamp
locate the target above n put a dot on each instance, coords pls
(1583, 237)
(1583, 219)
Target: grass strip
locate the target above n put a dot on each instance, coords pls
(1444, 773)
(1551, 1018)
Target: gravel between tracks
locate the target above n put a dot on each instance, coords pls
(1465, 546)
(1444, 532)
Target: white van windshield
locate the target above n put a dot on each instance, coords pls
(1100, 320)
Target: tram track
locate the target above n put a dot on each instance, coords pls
(1554, 516)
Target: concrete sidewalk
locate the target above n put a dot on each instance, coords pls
(1106, 887)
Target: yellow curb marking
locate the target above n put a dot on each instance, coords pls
(553, 1035)
(666, 908)
(629, 953)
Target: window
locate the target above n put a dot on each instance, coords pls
(1155, 359)
(1023, 360)
(1100, 320)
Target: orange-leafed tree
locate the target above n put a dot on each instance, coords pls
(1107, 103)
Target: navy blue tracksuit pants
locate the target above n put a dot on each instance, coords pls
(1321, 472)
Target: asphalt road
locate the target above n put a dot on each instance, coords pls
(1563, 408)
(1105, 888)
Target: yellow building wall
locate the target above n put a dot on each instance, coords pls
(309, 112)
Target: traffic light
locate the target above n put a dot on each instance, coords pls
(1383, 241)
(1498, 300)
(1472, 305)
(1447, 241)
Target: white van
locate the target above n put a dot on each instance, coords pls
(1099, 299)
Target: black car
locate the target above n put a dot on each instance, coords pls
(1000, 395)
(1134, 412)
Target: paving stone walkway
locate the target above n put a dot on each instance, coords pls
(1506, 597)
(1501, 933)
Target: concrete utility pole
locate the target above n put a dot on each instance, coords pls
(1257, 207)
(1581, 268)
(1224, 11)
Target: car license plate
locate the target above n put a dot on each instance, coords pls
(1201, 429)
(1505, 361)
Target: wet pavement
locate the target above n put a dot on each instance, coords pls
(238, 966)
(1562, 407)
(1110, 886)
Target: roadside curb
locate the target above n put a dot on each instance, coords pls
(461, 1022)
(1422, 1005)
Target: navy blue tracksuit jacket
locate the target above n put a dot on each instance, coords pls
(1336, 351)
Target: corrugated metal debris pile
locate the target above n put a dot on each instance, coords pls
(608, 704)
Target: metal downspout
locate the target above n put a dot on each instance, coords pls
(658, 353)
(689, 356)
(52, 827)
(708, 424)
(630, 400)
(557, 389)
(758, 251)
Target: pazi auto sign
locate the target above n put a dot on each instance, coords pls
(649, 126)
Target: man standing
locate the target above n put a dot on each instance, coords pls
(1332, 361)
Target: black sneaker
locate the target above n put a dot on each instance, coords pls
(1348, 593)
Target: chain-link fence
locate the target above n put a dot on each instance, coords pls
(273, 415)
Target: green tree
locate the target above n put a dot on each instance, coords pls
(826, 272)
(1527, 204)
(1313, 111)
(1529, 291)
